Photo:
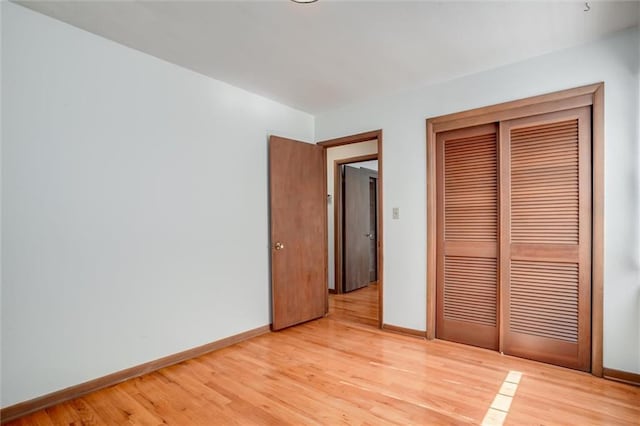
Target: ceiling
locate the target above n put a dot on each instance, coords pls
(323, 55)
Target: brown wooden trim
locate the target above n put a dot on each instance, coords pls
(621, 376)
(593, 95)
(337, 215)
(402, 330)
(23, 408)
(495, 112)
(337, 229)
(359, 158)
(597, 233)
(326, 231)
(332, 291)
(431, 231)
(364, 137)
(515, 113)
(503, 234)
(346, 140)
(380, 233)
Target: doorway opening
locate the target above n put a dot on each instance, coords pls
(356, 241)
(354, 228)
(356, 216)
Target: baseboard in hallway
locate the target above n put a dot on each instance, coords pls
(403, 330)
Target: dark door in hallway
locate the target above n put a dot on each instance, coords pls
(373, 226)
(359, 231)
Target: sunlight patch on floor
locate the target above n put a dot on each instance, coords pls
(497, 413)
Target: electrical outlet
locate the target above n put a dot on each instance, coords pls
(396, 212)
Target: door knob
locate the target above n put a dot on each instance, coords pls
(370, 236)
(279, 246)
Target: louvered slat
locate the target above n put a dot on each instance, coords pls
(470, 189)
(544, 184)
(557, 316)
(470, 290)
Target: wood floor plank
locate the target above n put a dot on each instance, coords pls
(167, 399)
(115, 405)
(343, 370)
(360, 306)
(76, 411)
(39, 418)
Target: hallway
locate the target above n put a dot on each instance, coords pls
(359, 306)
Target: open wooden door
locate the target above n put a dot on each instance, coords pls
(297, 176)
(357, 243)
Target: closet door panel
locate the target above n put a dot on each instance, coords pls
(467, 236)
(546, 242)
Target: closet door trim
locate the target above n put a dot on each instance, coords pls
(591, 95)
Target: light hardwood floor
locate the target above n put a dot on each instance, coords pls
(360, 306)
(337, 371)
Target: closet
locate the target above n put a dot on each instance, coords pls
(513, 244)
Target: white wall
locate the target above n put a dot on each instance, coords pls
(333, 154)
(371, 165)
(402, 118)
(134, 206)
(1, 133)
(637, 238)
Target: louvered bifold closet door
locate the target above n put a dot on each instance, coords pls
(467, 239)
(546, 237)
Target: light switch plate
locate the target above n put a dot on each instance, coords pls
(396, 212)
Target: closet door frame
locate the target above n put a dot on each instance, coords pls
(591, 95)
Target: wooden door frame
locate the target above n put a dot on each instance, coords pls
(357, 138)
(590, 95)
(338, 217)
